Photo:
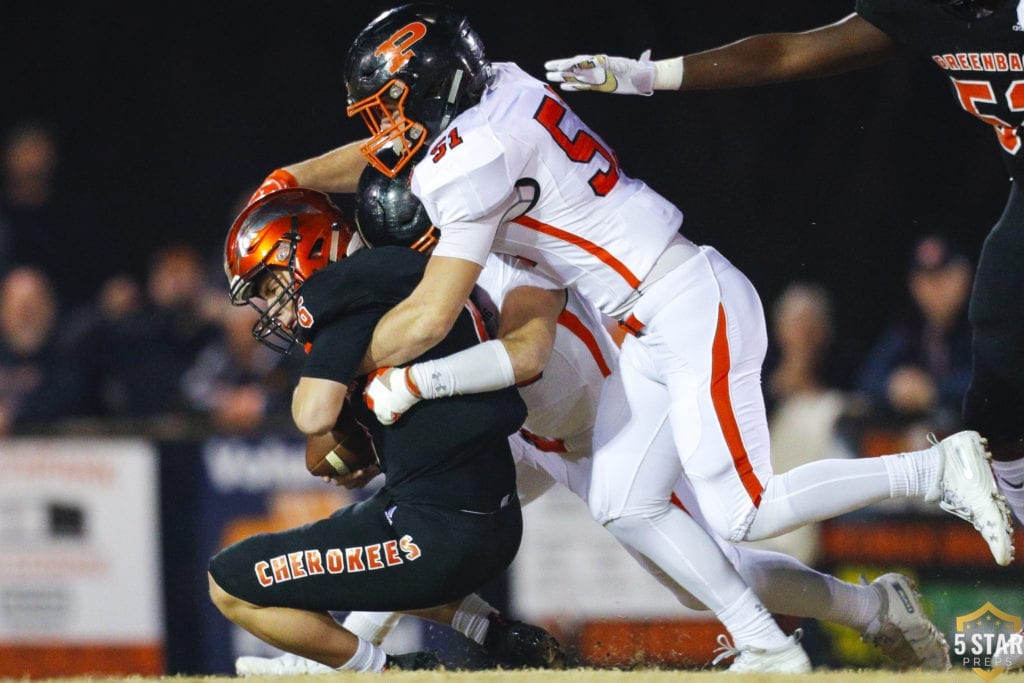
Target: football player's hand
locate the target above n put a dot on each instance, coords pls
(354, 480)
(389, 393)
(604, 74)
(279, 179)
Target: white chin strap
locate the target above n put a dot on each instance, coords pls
(335, 243)
(453, 93)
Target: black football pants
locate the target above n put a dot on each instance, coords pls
(994, 404)
(375, 556)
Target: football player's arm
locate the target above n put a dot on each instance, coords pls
(335, 171)
(529, 318)
(316, 404)
(849, 44)
(845, 45)
(526, 335)
(426, 316)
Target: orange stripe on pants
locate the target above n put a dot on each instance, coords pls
(720, 365)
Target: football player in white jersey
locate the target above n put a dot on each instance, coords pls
(562, 338)
(509, 168)
(570, 367)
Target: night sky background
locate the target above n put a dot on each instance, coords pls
(168, 113)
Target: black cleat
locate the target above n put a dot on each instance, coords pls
(412, 661)
(517, 645)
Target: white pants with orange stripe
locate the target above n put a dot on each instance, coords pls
(696, 367)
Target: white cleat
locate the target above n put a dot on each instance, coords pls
(1009, 654)
(788, 659)
(284, 665)
(967, 489)
(902, 631)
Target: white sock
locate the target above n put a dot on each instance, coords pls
(368, 657)
(1010, 476)
(471, 618)
(787, 586)
(912, 474)
(852, 604)
(818, 490)
(371, 626)
(750, 623)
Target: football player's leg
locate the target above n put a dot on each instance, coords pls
(995, 398)
(314, 635)
(276, 586)
(630, 493)
(887, 612)
(373, 627)
(721, 427)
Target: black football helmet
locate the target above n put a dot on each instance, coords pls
(968, 9)
(408, 73)
(388, 213)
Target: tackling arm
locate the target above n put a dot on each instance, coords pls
(335, 171)
(426, 316)
(529, 317)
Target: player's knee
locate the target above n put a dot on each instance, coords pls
(625, 526)
(228, 604)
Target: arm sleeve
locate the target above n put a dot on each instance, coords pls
(480, 368)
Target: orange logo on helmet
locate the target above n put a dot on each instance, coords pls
(398, 48)
(305, 317)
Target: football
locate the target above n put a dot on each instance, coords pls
(346, 449)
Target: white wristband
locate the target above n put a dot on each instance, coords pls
(668, 74)
(484, 367)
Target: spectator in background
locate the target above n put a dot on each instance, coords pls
(38, 380)
(33, 210)
(94, 333)
(152, 347)
(918, 371)
(803, 397)
(241, 384)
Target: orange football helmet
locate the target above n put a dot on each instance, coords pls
(287, 235)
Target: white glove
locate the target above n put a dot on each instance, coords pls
(604, 74)
(389, 394)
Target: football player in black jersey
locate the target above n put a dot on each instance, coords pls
(979, 44)
(447, 519)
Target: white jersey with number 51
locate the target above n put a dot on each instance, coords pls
(521, 174)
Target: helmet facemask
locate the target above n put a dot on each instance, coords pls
(268, 329)
(248, 289)
(395, 138)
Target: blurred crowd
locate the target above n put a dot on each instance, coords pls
(168, 346)
(127, 352)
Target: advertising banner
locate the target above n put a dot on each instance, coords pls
(79, 557)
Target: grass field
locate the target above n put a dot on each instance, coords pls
(577, 676)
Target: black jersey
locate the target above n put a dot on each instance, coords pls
(983, 58)
(450, 451)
